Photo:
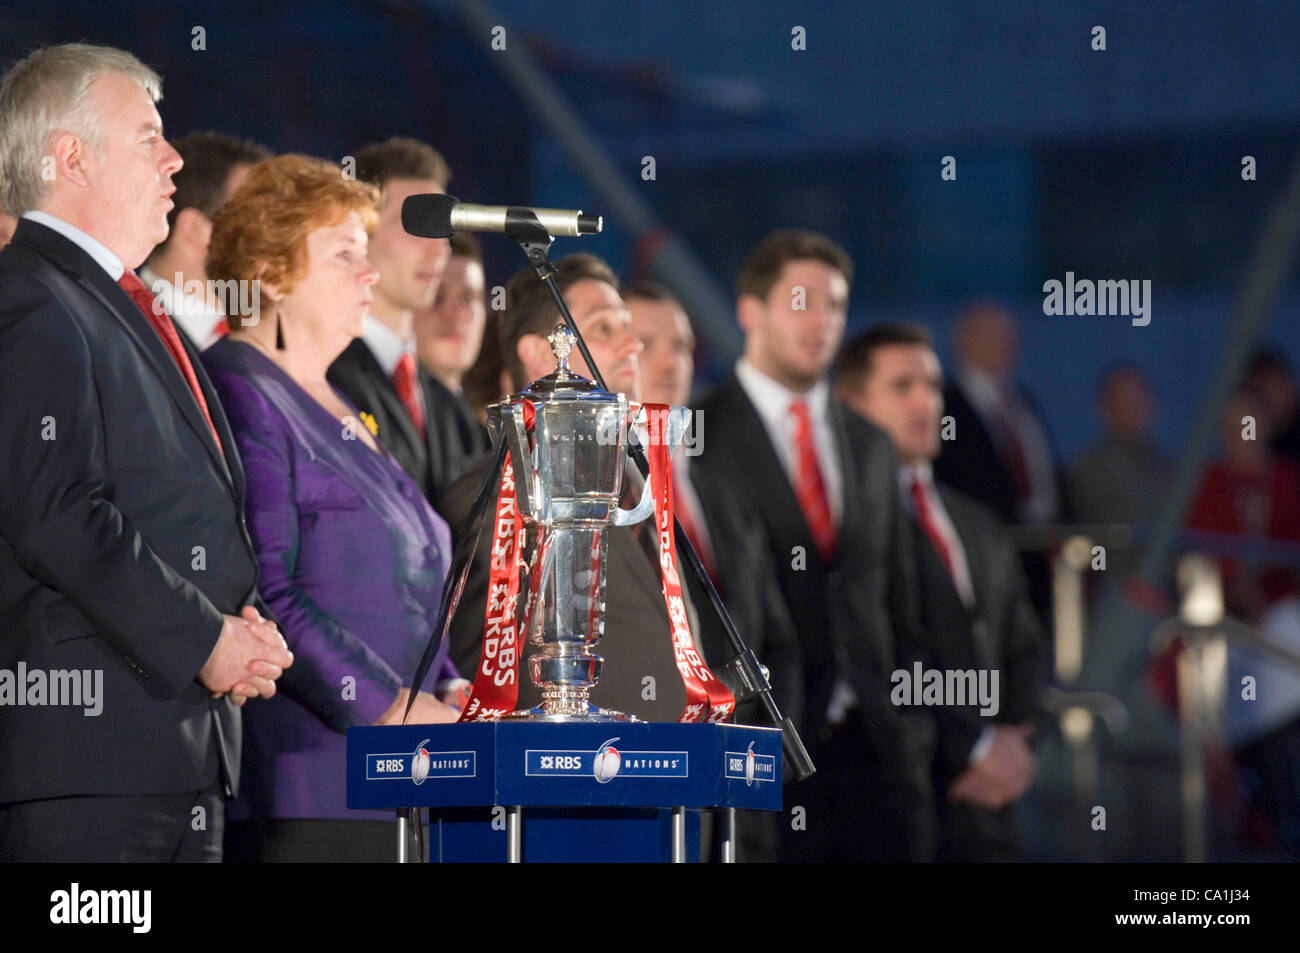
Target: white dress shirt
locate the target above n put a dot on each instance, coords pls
(772, 400)
(87, 243)
(388, 348)
(189, 311)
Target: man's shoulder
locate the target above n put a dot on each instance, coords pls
(353, 365)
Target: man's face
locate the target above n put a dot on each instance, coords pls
(409, 266)
(449, 334)
(796, 330)
(130, 175)
(606, 326)
(667, 350)
(903, 396)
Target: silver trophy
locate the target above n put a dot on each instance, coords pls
(568, 474)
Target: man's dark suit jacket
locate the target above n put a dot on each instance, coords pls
(122, 537)
(357, 373)
(971, 463)
(457, 438)
(856, 617)
(1000, 632)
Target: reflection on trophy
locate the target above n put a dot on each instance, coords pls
(568, 441)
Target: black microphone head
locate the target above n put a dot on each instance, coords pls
(428, 215)
(590, 224)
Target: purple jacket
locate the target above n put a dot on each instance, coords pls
(352, 562)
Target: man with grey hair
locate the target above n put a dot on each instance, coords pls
(125, 553)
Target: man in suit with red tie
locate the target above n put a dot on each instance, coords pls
(380, 371)
(975, 609)
(823, 481)
(125, 567)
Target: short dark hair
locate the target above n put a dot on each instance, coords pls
(530, 309)
(465, 245)
(763, 266)
(209, 159)
(643, 289)
(853, 366)
(400, 157)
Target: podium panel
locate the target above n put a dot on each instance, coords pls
(592, 791)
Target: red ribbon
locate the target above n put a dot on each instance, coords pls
(496, 683)
(707, 699)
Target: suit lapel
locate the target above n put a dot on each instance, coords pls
(978, 568)
(90, 277)
(750, 442)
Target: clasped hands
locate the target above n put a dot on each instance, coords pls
(1002, 775)
(249, 656)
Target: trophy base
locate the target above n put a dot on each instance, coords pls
(594, 716)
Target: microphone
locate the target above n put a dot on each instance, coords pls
(435, 215)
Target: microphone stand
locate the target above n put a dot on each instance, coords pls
(523, 228)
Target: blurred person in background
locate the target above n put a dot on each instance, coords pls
(726, 532)
(448, 337)
(1270, 378)
(488, 380)
(1000, 453)
(974, 607)
(380, 371)
(352, 556)
(215, 165)
(7, 225)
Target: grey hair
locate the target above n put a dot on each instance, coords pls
(47, 93)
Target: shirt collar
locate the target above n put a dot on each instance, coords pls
(86, 242)
(907, 473)
(772, 399)
(384, 343)
(982, 388)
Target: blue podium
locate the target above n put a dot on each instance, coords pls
(589, 791)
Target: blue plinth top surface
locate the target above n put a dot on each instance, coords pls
(573, 764)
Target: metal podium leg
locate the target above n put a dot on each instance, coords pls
(728, 818)
(403, 838)
(514, 835)
(679, 835)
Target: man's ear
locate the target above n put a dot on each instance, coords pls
(70, 155)
(193, 228)
(749, 312)
(534, 351)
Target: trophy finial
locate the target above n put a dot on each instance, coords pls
(561, 345)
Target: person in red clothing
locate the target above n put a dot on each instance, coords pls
(1250, 491)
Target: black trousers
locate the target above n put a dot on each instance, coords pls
(115, 828)
(853, 813)
(276, 841)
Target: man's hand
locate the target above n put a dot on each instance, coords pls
(249, 656)
(427, 710)
(1002, 775)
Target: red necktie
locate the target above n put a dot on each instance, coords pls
(162, 323)
(809, 488)
(1016, 460)
(925, 516)
(686, 515)
(404, 379)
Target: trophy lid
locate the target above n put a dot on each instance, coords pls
(562, 383)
